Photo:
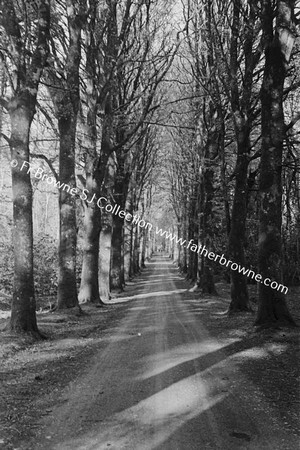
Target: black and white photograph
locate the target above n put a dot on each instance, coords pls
(149, 224)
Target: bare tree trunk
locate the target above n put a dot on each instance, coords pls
(117, 255)
(67, 288)
(206, 282)
(104, 256)
(239, 290)
(89, 287)
(128, 241)
(193, 236)
(132, 252)
(106, 232)
(26, 60)
(177, 247)
(94, 168)
(183, 236)
(66, 102)
(242, 121)
(96, 266)
(117, 251)
(127, 251)
(148, 247)
(272, 308)
(23, 315)
(136, 251)
(143, 247)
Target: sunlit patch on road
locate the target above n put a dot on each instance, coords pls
(146, 295)
(149, 423)
(160, 362)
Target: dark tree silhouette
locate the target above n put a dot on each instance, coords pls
(26, 56)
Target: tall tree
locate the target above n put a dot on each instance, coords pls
(279, 39)
(95, 150)
(64, 89)
(241, 99)
(117, 279)
(106, 232)
(25, 56)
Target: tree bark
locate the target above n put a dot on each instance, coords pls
(117, 255)
(206, 279)
(183, 235)
(128, 241)
(242, 117)
(144, 247)
(239, 290)
(117, 250)
(89, 287)
(67, 288)
(104, 256)
(106, 233)
(193, 235)
(272, 308)
(66, 103)
(137, 251)
(23, 315)
(207, 193)
(27, 61)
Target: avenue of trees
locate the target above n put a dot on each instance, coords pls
(235, 179)
(127, 101)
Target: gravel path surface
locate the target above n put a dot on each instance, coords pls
(161, 380)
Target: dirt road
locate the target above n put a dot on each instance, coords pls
(160, 381)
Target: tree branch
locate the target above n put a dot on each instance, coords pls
(293, 122)
(5, 137)
(41, 156)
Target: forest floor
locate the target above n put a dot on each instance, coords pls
(160, 367)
